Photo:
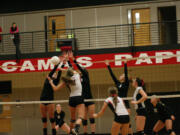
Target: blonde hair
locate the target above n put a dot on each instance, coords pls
(155, 97)
(113, 91)
(67, 78)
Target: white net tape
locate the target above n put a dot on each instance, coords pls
(87, 100)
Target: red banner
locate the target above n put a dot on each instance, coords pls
(89, 61)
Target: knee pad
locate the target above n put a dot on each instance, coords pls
(169, 131)
(84, 122)
(52, 120)
(73, 121)
(44, 120)
(92, 120)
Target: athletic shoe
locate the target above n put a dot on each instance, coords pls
(75, 132)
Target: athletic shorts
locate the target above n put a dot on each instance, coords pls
(46, 104)
(126, 102)
(164, 118)
(124, 119)
(88, 103)
(43, 99)
(141, 112)
(75, 101)
(60, 123)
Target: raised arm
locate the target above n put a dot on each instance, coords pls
(78, 66)
(59, 74)
(101, 112)
(52, 71)
(126, 73)
(111, 72)
(58, 87)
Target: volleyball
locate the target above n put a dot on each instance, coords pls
(55, 60)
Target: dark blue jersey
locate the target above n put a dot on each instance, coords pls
(47, 92)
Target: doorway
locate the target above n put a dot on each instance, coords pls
(60, 26)
(167, 25)
(141, 27)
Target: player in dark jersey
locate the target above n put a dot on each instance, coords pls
(48, 95)
(165, 116)
(122, 85)
(59, 116)
(89, 106)
(138, 101)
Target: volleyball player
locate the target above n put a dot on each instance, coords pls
(89, 106)
(76, 101)
(59, 116)
(122, 85)
(165, 117)
(48, 95)
(121, 115)
(138, 100)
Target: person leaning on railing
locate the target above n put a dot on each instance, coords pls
(14, 30)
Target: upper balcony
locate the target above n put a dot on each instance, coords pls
(103, 37)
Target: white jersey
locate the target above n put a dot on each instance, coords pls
(138, 96)
(120, 108)
(76, 90)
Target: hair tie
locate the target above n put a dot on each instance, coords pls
(142, 82)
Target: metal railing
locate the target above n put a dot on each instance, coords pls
(115, 36)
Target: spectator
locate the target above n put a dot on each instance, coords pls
(0, 34)
(14, 30)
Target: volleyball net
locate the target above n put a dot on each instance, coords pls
(20, 113)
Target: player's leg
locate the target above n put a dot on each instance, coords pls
(115, 128)
(158, 126)
(80, 111)
(125, 129)
(168, 124)
(91, 111)
(43, 111)
(140, 124)
(85, 122)
(51, 108)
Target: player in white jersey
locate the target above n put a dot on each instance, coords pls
(76, 102)
(138, 100)
(121, 115)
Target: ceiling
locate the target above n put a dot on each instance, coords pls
(7, 6)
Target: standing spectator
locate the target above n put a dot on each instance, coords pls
(14, 30)
(0, 34)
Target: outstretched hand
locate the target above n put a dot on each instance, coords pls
(95, 115)
(63, 59)
(70, 54)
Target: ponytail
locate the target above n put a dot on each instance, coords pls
(115, 101)
(113, 93)
(68, 78)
